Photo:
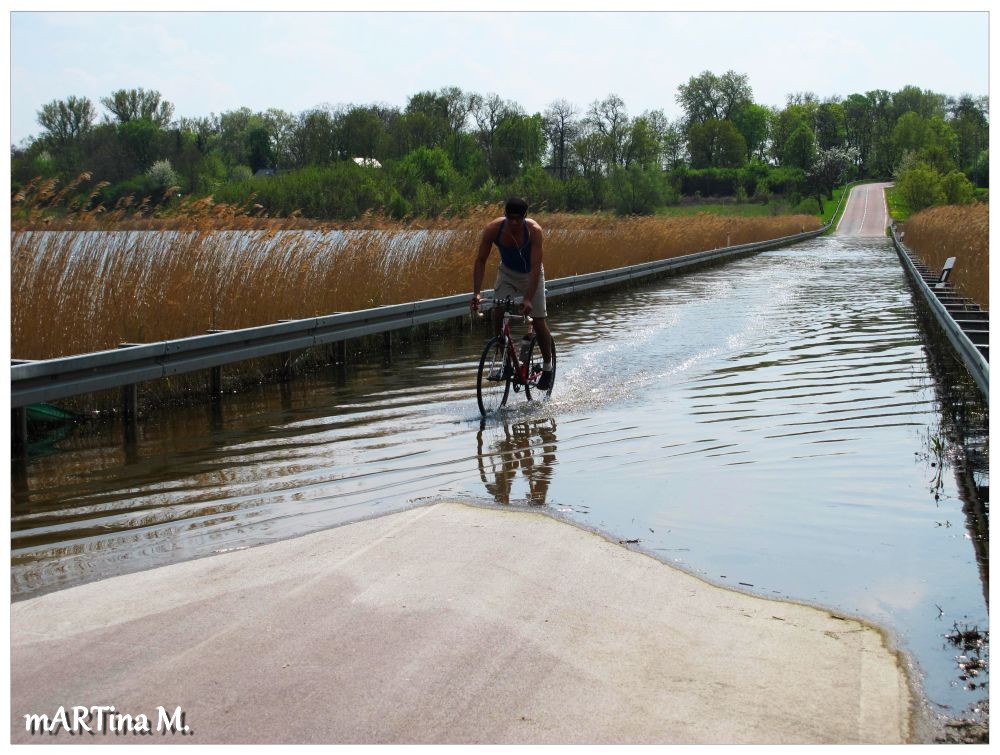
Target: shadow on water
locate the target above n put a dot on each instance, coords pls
(767, 424)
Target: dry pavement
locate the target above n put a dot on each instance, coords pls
(451, 623)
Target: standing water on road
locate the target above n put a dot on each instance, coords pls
(770, 424)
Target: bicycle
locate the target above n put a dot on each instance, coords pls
(502, 366)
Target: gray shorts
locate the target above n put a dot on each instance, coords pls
(512, 283)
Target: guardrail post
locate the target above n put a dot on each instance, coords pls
(215, 382)
(340, 352)
(286, 362)
(387, 346)
(19, 426)
(130, 404)
(215, 373)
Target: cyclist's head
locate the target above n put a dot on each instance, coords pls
(516, 208)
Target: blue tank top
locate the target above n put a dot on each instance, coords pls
(516, 258)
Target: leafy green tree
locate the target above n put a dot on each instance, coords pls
(859, 129)
(831, 130)
(434, 108)
(436, 116)
(426, 165)
(180, 148)
(911, 133)
(519, 142)
(609, 119)
(139, 104)
(957, 188)
(883, 159)
(590, 155)
(280, 127)
(579, 195)
(800, 148)
(359, 132)
(397, 207)
(65, 121)
(139, 138)
(785, 122)
(209, 174)
(925, 103)
(931, 139)
(708, 97)
(674, 141)
(752, 121)
(980, 172)
(969, 121)
(259, 152)
(314, 142)
(920, 186)
(643, 147)
(543, 191)
(636, 190)
(716, 144)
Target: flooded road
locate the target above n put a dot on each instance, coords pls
(770, 424)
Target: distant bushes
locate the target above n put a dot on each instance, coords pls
(921, 185)
(756, 180)
(343, 189)
(425, 183)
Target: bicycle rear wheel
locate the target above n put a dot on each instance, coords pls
(531, 390)
(493, 380)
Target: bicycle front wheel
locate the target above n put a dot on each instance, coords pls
(531, 390)
(493, 380)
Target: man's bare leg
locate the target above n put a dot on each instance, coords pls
(544, 338)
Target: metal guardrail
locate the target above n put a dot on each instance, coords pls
(974, 361)
(52, 379)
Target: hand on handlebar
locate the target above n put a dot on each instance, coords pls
(474, 304)
(526, 307)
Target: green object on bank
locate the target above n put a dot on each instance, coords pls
(47, 414)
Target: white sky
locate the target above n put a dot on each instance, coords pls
(207, 62)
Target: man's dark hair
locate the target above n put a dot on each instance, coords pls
(516, 206)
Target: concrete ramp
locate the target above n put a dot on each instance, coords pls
(451, 624)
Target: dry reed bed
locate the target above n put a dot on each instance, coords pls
(90, 286)
(960, 231)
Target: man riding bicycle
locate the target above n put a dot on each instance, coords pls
(519, 239)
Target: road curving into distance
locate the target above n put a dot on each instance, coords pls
(866, 213)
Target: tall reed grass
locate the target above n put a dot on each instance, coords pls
(960, 231)
(88, 280)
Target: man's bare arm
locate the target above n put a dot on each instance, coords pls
(537, 237)
(479, 266)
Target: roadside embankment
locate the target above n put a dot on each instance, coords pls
(452, 623)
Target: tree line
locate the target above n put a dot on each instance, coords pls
(449, 149)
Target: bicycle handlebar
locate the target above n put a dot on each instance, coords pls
(506, 303)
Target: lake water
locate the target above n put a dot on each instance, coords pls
(771, 424)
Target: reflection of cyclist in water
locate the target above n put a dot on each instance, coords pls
(528, 446)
